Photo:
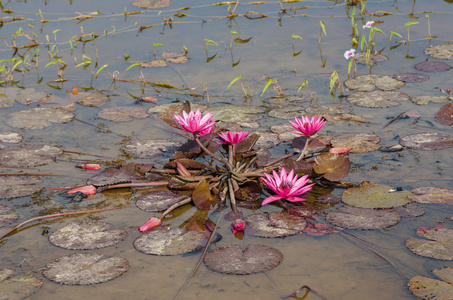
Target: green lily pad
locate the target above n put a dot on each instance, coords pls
(438, 243)
(429, 288)
(425, 99)
(372, 195)
(17, 287)
(377, 99)
(444, 51)
(368, 83)
(363, 218)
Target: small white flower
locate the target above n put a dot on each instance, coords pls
(348, 54)
(368, 24)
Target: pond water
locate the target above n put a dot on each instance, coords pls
(335, 266)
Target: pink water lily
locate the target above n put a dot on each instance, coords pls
(232, 138)
(238, 225)
(287, 186)
(150, 224)
(348, 54)
(368, 24)
(308, 127)
(193, 122)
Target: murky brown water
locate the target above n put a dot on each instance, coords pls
(333, 265)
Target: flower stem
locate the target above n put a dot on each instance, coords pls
(305, 149)
(232, 198)
(174, 206)
(215, 157)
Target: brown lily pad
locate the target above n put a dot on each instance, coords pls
(411, 77)
(151, 3)
(15, 186)
(10, 137)
(86, 236)
(333, 167)
(372, 195)
(368, 83)
(377, 99)
(151, 148)
(29, 155)
(6, 216)
(358, 142)
(363, 218)
(443, 51)
(425, 99)
(433, 66)
(330, 198)
(438, 243)
(320, 229)
(427, 141)
(411, 210)
(445, 114)
(17, 288)
(96, 100)
(360, 58)
(430, 194)
(429, 288)
(175, 241)
(85, 269)
(38, 117)
(159, 200)
(233, 260)
(122, 113)
(124, 174)
(275, 224)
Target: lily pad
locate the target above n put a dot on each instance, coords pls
(438, 243)
(429, 288)
(96, 100)
(151, 148)
(122, 113)
(159, 200)
(86, 236)
(425, 99)
(85, 269)
(358, 142)
(330, 198)
(267, 140)
(6, 216)
(178, 59)
(430, 194)
(284, 132)
(372, 195)
(433, 66)
(151, 3)
(15, 186)
(445, 114)
(10, 137)
(29, 96)
(360, 58)
(234, 113)
(444, 51)
(287, 112)
(38, 117)
(232, 260)
(333, 167)
(363, 218)
(29, 155)
(411, 210)
(411, 77)
(320, 229)
(167, 111)
(427, 141)
(368, 83)
(124, 174)
(7, 96)
(17, 287)
(275, 224)
(328, 109)
(377, 99)
(175, 241)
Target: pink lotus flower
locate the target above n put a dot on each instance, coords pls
(238, 225)
(368, 24)
(232, 138)
(150, 224)
(308, 127)
(87, 190)
(194, 123)
(287, 186)
(348, 54)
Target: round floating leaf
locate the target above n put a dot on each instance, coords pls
(7, 96)
(360, 58)
(38, 118)
(96, 100)
(328, 109)
(358, 142)
(85, 269)
(202, 197)
(159, 200)
(444, 51)
(372, 195)
(411, 210)
(423, 100)
(124, 174)
(290, 112)
(445, 114)
(10, 137)
(175, 241)
(377, 99)
(29, 96)
(301, 209)
(333, 167)
(429, 288)
(275, 224)
(18, 287)
(320, 229)
(15, 186)
(151, 148)
(151, 3)
(411, 77)
(367, 83)
(427, 141)
(430, 194)
(438, 243)
(234, 113)
(284, 132)
(267, 140)
(29, 155)
(232, 260)
(363, 218)
(331, 198)
(6, 216)
(432, 66)
(122, 113)
(86, 236)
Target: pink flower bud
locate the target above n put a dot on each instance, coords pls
(238, 225)
(339, 150)
(91, 167)
(87, 190)
(150, 224)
